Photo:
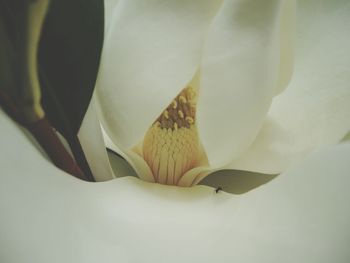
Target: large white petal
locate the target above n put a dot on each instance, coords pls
(152, 50)
(92, 142)
(48, 216)
(314, 111)
(301, 216)
(239, 75)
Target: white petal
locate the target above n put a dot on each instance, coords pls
(109, 6)
(287, 44)
(151, 52)
(137, 163)
(315, 109)
(238, 76)
(91, 139)
(346, 137)
(47, 216)
(301, 216)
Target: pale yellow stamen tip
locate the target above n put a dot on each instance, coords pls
(174, 104)
(181, 114)
(191, 94)
(166, 114)
(182, 99)
(189, 120)
(175, 126)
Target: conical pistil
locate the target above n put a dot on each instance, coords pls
(171, 146)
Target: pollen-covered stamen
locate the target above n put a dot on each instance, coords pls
(171, 146)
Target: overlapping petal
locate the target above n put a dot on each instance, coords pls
(135, 160)
(91, 139)
(239, 75)
(48, 216)
(110, 6)
(314, 111)
(152, 50)
(287, 44)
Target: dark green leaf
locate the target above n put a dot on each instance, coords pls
(13, 19)
(7, 59)
(69, 55)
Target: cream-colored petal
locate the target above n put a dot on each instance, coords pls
(239, 75)
(314, 111)
(91, 139)
(48, 216)
(287, 44)
(151, 52)
(301, 216)
(109, 5)
(137, 163)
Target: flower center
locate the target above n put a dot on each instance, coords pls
(171, 146)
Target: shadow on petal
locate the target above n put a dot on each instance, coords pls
(120, 166)
(231, 181)
(236, 181)
(346, 137)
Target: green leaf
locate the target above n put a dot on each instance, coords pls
(69, 56)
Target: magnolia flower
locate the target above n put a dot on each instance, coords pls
(235, 56)
(186, 89)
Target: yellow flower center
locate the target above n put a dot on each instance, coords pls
(171, 146)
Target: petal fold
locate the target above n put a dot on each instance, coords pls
(152, 50)
(133, 159)
(314, 111)
(287, 44)
(91, 139)
(239, 74)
